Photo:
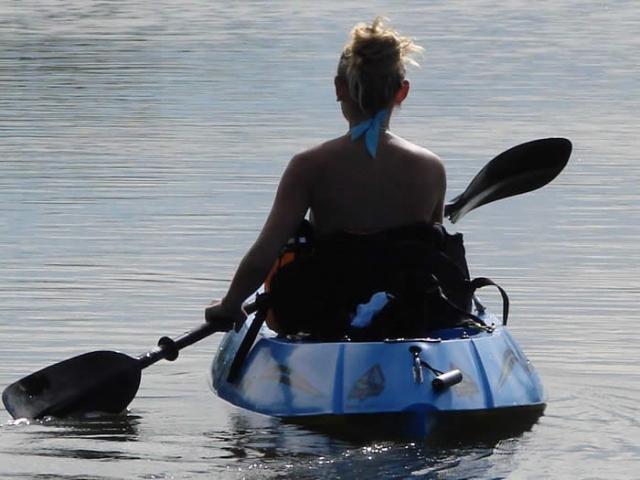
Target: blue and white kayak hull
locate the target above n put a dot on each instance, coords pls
(485, 375)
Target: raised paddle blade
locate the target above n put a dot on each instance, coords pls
(520, 169)
(101, 381)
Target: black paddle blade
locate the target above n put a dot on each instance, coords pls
(520, 169)
(101, 381)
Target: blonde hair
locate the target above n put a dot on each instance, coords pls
(373, 64)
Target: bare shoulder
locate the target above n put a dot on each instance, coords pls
(419, 152)
(317, 156)
(303, 161)
(325, 149)
(424, 158)
(305, 165)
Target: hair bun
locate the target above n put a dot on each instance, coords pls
(374, 64)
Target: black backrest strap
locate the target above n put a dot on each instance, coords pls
(480, 282)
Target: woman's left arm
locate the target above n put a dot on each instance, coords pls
(439, 179)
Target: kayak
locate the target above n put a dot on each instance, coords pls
(456, 379)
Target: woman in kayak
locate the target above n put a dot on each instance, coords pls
(366, 180)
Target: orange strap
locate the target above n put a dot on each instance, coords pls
(281, 261)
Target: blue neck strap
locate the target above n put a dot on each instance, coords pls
(371, 130)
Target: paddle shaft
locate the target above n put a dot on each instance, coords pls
(169, 348)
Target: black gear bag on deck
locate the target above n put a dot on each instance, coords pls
(421, 266)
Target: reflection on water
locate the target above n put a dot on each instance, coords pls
(116, 428)
(63, 445)
(268, 448)
(267, 445)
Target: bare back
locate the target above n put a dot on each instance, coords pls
(350, 191)
(373, 183)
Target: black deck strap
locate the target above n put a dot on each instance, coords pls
(480, 282)
(249, 339)
(476, 322)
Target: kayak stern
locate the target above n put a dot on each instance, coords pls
(389, 385)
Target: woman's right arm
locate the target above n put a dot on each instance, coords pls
(289, 209)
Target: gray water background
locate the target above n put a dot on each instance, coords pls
(140, 147)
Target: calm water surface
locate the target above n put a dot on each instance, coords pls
(140, 146)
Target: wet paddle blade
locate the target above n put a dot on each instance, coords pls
(101, 381)
(520, 169)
